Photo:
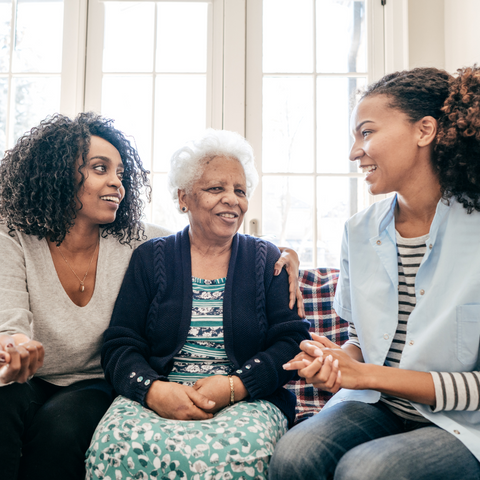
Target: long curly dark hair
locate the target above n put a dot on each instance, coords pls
(38, 190)
(454, 101)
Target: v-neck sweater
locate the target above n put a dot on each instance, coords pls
(34, 302)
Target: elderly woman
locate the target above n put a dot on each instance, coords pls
(198, 336)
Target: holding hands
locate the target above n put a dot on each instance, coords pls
(325, 365)
(20, 358)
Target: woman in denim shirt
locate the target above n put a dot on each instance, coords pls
(408, 381)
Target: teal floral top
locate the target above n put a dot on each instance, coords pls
(204, 351)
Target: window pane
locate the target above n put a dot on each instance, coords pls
(5, 23)
(287, 124)
(182, 37)
(129, 37)
(341, 39)
(39, 36)
(288, 213)
(128, 100)
(336, 98)
(287, 36)
(180, 114)
(3, 115)
(164, 210)
(34, 98)
(337, 200)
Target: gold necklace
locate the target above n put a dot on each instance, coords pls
(82, 282)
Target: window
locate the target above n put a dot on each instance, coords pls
(150, 66)
(305, 62)
(281, 72)
(39, 69)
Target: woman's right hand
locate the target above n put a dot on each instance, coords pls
(178, 402)
(20, 358)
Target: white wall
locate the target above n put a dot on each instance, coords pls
(462, 33)
(426, 33)
(443, 33)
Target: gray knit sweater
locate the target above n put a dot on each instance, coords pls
(33, 302)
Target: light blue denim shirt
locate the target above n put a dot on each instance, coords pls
(443, 332)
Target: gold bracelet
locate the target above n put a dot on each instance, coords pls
(232, 390)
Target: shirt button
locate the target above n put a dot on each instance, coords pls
(430, 246)
(257, 360)
(248, 367)
(139, 379)
(422, 292)
(457, 432)
(411, 342)
(132, 374)
(379, 242)
(385, 336)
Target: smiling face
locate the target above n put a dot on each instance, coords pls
(102, 191)
(217, 201)
(387, 146)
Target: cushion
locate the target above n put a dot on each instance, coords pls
(318, 289)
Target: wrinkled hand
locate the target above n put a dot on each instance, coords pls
(289, 259)
(178, 402)
(217, 388)
(20, 358)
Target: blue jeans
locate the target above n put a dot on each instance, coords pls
(360, 441)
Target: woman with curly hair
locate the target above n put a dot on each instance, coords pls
(408, 380)
(70, 210)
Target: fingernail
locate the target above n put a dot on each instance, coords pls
(9, 345)
(318, 352)
(2, 359)
(211, 403)
(330, 358)
(335, 363)
(286, 366)
(276, 271)
(307, 362)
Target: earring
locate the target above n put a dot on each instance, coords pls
(184, 209)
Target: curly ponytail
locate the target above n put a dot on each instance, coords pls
(457, 150)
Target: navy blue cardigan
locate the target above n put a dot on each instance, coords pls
(153, 311)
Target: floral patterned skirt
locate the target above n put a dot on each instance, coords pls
(133, 442)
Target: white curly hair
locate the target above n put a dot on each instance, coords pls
(186, 164)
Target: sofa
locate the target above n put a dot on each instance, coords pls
(318, 289)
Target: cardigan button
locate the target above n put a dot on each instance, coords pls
(132, 374)
(248, 367)
(239, 371)
(147, 382)
(257, 360)
(139, 379)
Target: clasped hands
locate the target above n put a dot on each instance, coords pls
(20, 358)
(199, 402)
(325, 365)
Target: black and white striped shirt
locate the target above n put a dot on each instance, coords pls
(453, 391)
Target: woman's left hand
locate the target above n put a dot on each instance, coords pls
(326, 366)
(217, 388)
(289, 259)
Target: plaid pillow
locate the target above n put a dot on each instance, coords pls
(318, 289)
